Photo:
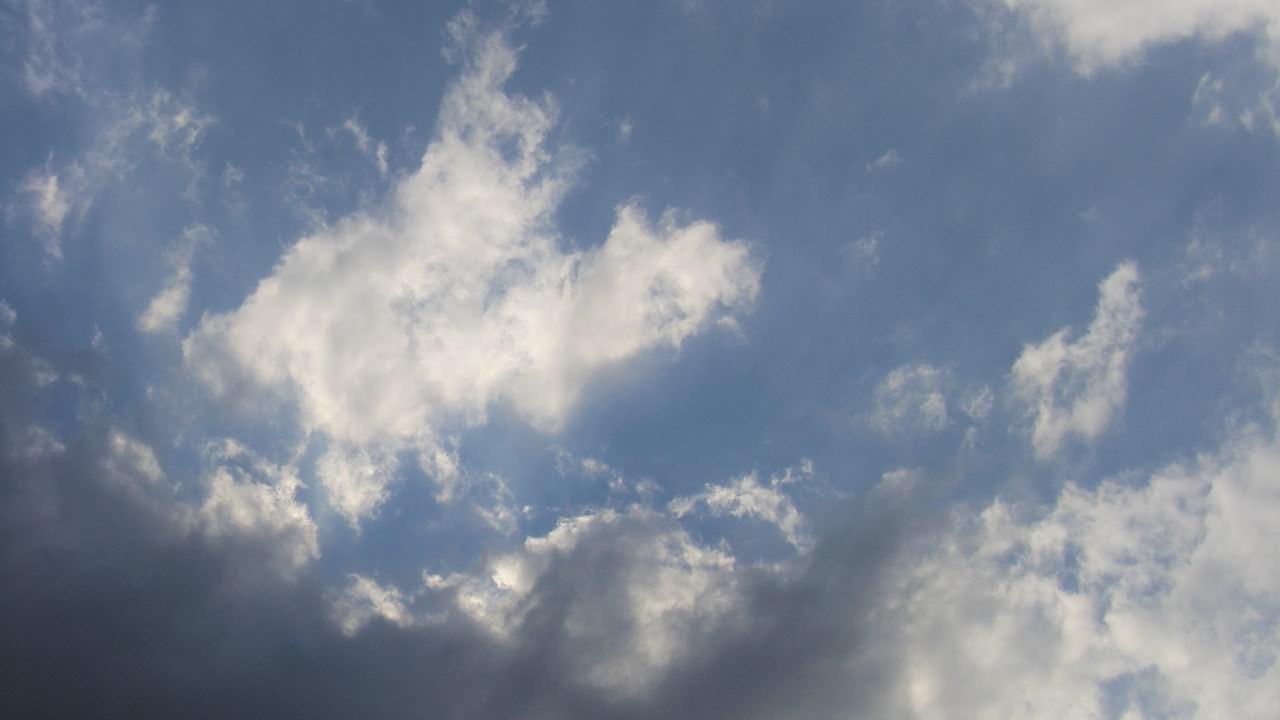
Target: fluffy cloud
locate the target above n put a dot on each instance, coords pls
(250, 498)
(393, 325)
(643, 591)
(354, 479)
(1155, 598)
(1074, 388)
(1137, 597)
(363, 599)
(1098, 33)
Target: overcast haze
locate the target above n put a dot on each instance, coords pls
(640, 360)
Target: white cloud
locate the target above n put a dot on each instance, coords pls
(978, 402)
(127, 130)
(662, 585)
(47, 66)
(865, 250)
(75, 49)
(249, 497)
(67, 44)
(747, 497)
(130, 462)
(50, 203)
(363, 600)
(1147, 599)
(35, 443)
(394, 325)
(569, 465)
(1100, 33)
(8, 318)
(496, 504)
(911, 398)
(886, 160)
(1074, 388)
(355, 479)
(168, 306)
(130, 467)
(173, 125)
(375, 150)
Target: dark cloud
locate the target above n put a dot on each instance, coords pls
(110, 609)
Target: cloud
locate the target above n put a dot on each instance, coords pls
(51, 202)
(167, 306)
(363, 600)
(1141, 598)
(354, 479)
(888, 159)
(50, 64)
(251, 498)
(640, 592)
(865, 251)
(161, 577)
(747, 497)
(1097, 34)
(393, 326)
(1153, 596)
(1074, 388)
(977, 403)
(375, 150)
(911, 398)
(73, 55)
(127, 131)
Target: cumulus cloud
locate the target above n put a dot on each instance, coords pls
(249, 497)
(392, 326)
(1097, 33)
(354, 479)
(644, 590)
(1074, 388)
(1151, 597)
(1154, 598)
(159, 585)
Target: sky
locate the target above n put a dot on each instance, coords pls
(878, 359)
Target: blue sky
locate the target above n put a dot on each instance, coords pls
(876, 359)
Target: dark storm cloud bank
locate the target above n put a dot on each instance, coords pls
(110, 610)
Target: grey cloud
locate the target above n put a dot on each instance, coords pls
(108, 611)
